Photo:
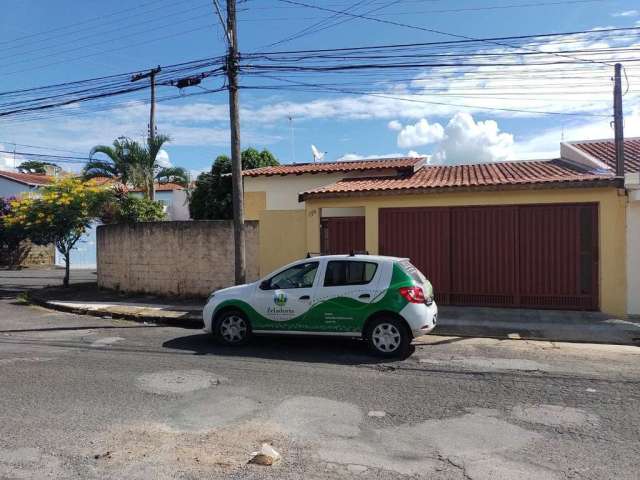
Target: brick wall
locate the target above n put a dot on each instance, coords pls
(183, 259)
(36, 255)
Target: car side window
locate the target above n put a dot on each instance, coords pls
(349, 272)
(298, 276)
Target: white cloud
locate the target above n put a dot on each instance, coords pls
(350, 157)
(626, 13)
(421, 133)
(467, 141)
(413, 153)
(394, 125)
(163, 159)
(6, 159)
(547, 143)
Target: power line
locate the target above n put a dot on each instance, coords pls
(406, 25)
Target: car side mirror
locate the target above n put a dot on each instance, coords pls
(265, 285)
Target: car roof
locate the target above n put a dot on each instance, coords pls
(363, 257)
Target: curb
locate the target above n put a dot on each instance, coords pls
(453, 331)
(189, 321)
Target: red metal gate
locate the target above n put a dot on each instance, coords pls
(341, 235)
(534, 256)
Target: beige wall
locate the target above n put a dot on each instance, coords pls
(254, 203)
(282, 190)
(613, 281)
(184, 259)
(283, 238)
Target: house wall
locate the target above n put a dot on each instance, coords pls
(183, 258)
(254, 203)
(175, 202)
(612, 224)
(283, 238)
(9, 188)
(633, 253)
(282, 190)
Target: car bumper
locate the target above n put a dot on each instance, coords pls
(207, 316)
(421, 318)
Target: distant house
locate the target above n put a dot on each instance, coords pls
(16, 184)
(174, 199)
(83, 255)
(520, 234)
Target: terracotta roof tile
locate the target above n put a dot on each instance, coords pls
(32, 179)
(467, 176)
(604, 150)
(404, 163)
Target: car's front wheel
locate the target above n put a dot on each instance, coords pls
(232, 328)
(389, 337)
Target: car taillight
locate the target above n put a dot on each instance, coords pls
(412, 294)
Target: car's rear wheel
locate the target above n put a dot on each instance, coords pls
(388, 337)
(232, 328)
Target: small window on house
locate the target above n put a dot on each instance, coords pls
(349, 272)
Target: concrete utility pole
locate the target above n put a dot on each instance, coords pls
(618, 121)
(236, 155)
(151, 75)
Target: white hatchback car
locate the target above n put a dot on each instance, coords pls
(385, 300)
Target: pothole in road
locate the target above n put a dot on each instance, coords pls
(493, 364)
(29, 463)
(178, 381)
(554, 415)
(106, 341)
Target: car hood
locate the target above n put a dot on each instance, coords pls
(237, 290)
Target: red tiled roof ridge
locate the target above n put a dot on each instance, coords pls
(494, 174)
(604, 151)
(27, 178)
(337, 166)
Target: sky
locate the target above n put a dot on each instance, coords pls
(43, 42)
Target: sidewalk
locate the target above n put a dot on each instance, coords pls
(549, 325)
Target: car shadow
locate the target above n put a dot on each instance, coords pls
(331, 350)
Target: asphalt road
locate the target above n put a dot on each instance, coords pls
(83, 397)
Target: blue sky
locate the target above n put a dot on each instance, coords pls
(49, 42)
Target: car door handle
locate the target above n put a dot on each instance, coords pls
(304, 297)
(365, 295)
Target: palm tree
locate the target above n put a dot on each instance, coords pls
(115, 166)
(145, 169)
(136, 165)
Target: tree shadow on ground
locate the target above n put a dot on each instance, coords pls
(331, 350)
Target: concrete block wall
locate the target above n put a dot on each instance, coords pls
(182, 259)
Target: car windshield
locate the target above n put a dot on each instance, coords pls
(298, 276)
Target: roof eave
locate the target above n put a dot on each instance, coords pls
(599, 183)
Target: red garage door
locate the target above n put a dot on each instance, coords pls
(341, 235)
(535, 256)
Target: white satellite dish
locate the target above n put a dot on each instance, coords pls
(317, 154)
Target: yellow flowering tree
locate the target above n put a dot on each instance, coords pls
(60, 215)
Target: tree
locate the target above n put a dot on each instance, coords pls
(134, 164)
(13, 245)
(122, 208)
(211, 197)
(117, 163)
(35, 166)
(60, 215)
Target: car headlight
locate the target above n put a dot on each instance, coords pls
(210, 296)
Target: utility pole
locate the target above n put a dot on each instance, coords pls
(618, 121)
(236, 155)
(151, 75)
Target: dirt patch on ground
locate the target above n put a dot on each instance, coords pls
(156, 451)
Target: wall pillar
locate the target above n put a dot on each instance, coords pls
(371, 229)
(313, 229)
